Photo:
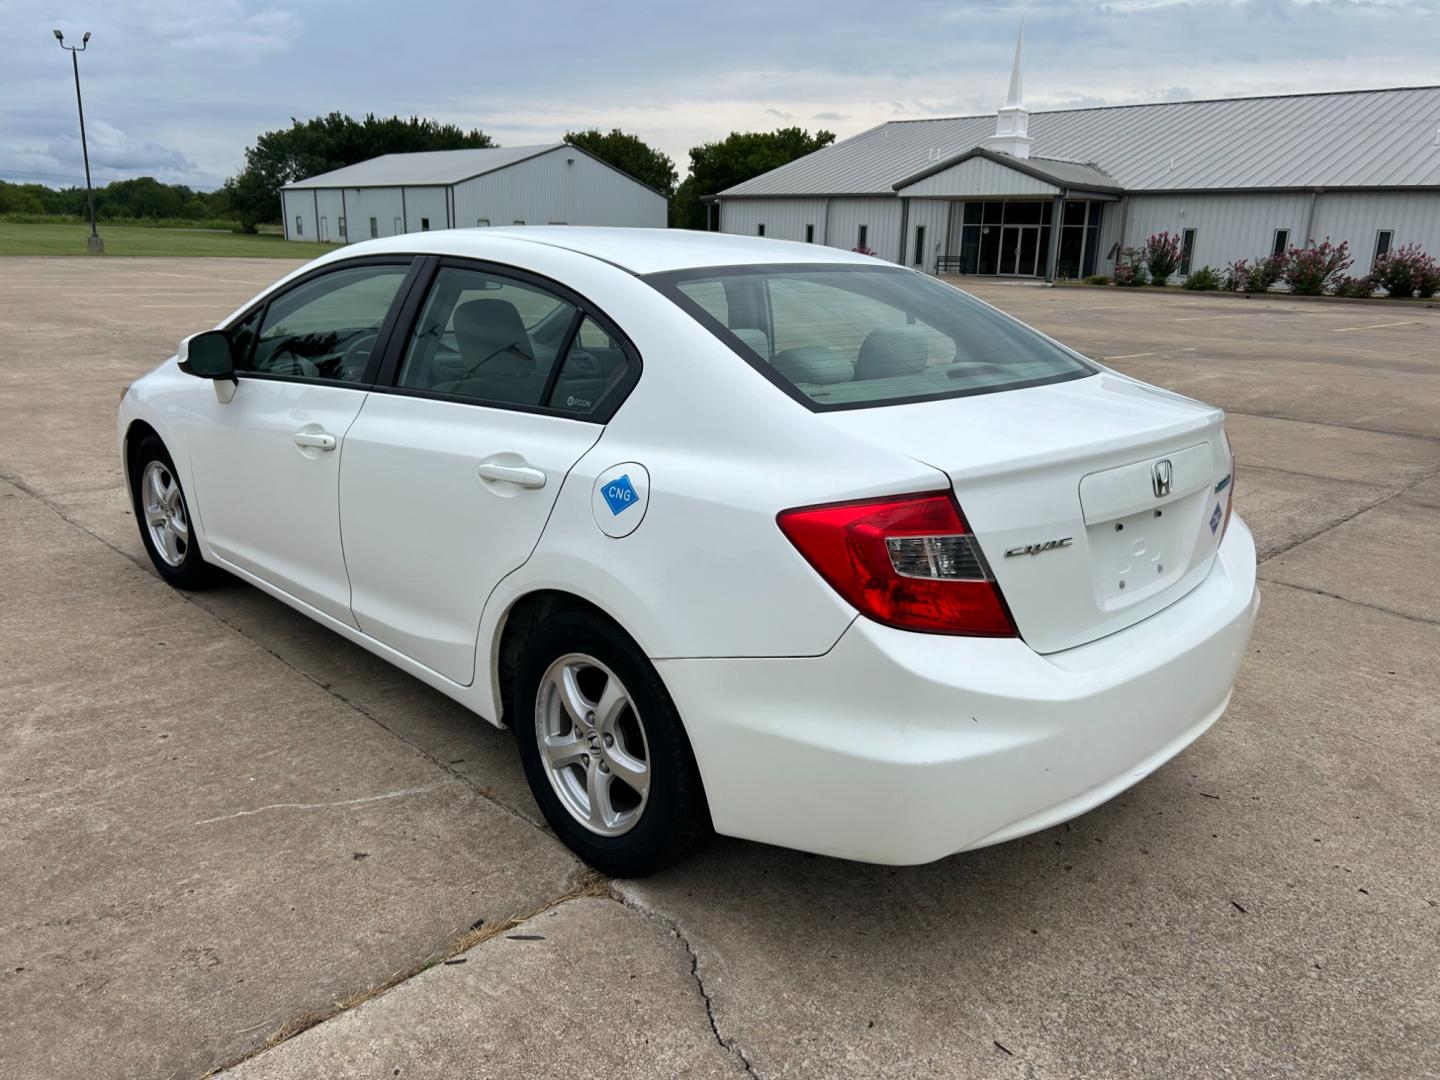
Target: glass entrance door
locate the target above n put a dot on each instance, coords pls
(1019, 250)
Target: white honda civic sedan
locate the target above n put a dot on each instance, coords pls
(738, 535)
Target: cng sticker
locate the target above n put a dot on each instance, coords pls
(620, 497)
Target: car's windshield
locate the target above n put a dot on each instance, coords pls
(851, 336)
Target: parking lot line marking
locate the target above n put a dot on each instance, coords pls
(1130, 356)
(1373, 326)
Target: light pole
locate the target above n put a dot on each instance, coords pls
(93, 243)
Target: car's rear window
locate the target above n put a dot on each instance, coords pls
(837, 337)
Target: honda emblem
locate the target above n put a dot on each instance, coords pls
(1160, 477)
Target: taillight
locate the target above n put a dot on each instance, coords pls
(908, 562)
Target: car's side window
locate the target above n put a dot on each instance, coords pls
(594, 369)
(487, 338)
(327, 327)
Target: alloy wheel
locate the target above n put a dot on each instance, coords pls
(592, 743)
(165, 517)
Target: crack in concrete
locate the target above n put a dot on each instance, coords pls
(401, 793)
(1421, 619)
(1348, 517)
(727, 1043)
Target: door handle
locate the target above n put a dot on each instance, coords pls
(523, 475)
(315, 440)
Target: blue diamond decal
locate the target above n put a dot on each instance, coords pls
(1215, 518)
(620, 495)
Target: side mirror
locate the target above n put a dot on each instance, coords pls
(208, 356)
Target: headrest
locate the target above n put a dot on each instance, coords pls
(891, 351)
(491, 328)
(814, 364)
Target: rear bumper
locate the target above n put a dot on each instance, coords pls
(900, 748)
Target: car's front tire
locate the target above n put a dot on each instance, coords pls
(604, 748)
(163, 515)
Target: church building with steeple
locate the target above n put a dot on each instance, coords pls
(1059, 193)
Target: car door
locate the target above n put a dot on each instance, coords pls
(265, 463)
(449, 475)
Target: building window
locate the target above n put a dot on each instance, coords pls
(519, 223)
(399, 226)
(1383, 239)
(424, 224)
(482, 222)
(809, 234)
(374, 228)
(760, 229)
(863, 236)
(340, 221)
(1187, 250)
(919, 245)
(559, 223)
(1281, 243)
(299, 225)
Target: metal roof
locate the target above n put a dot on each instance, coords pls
(1357, 138)
(425, 167)
(1065, 174)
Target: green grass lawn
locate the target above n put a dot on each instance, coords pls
(17, 239)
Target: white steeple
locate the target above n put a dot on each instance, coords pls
(1012, 122)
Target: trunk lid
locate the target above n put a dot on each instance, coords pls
(1097, 502)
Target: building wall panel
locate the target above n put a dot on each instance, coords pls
(934, 216)
(560, 187)
(1358, 216)
(1227, 227)
(426, 204)
(882, 218)
(784, 219)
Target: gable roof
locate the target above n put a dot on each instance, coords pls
(1063, 174)
(424, 167)
(1357, 138)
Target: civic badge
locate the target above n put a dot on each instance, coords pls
(1160, 477)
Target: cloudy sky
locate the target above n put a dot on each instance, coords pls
(177, 88)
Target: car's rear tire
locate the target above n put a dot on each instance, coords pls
(604, 748)
(163, 515)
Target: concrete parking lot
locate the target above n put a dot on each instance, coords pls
(220, 823)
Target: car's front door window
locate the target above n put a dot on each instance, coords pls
(327, 327)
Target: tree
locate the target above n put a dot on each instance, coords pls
(319, 145)
(740, 156)
(630, 155)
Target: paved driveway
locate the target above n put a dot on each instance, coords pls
(218, 821)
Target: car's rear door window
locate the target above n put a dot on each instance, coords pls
(854, 336)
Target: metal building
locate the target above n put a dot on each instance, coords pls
(554, 184)
(1058, 193)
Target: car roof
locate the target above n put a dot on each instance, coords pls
(640, 251)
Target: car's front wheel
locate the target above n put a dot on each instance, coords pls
(604, 749)
(164, 518)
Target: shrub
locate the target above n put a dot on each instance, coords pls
(1355, 287)
(1129, 270)
(1203, 280)
(1242, 275)
(1309, 271)
(1405, 271)
(1096, 279)
(1162, 257)
(862, 251)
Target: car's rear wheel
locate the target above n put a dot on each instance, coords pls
(604, 749)
(164, 518)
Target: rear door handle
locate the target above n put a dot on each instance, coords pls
(523, 475)
(316, 440)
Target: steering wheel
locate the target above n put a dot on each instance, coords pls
(357, 352)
